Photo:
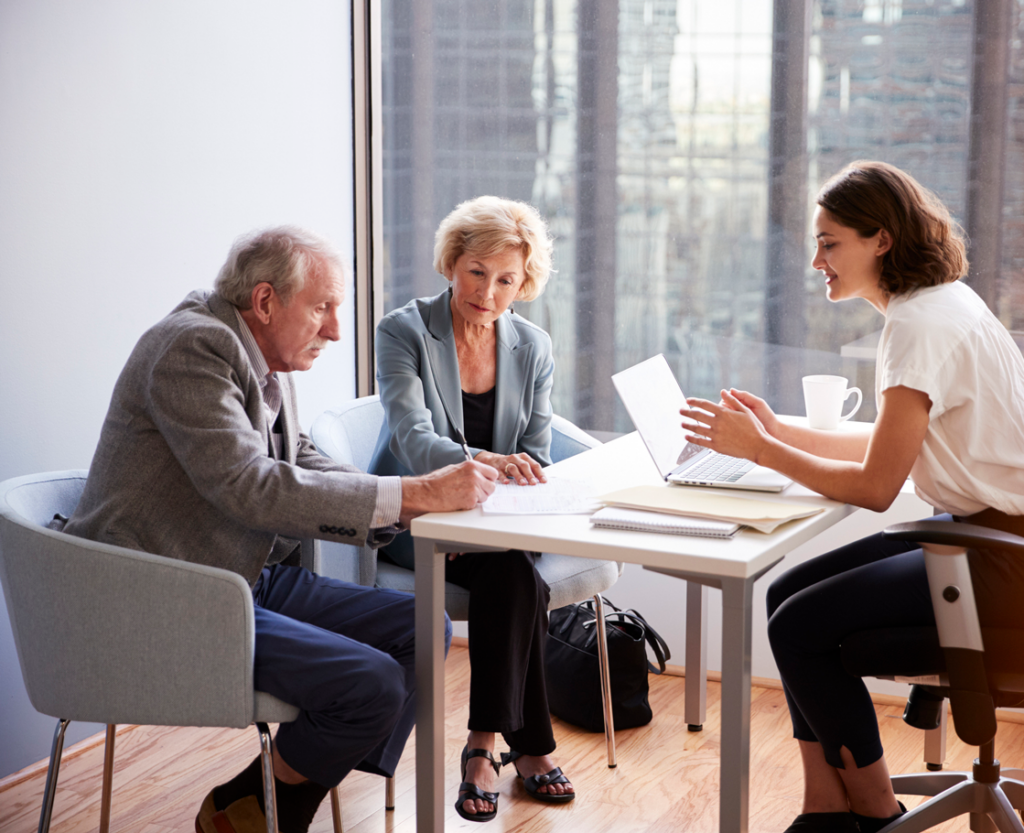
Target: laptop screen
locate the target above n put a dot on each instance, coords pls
(652, 397)
(688, 453)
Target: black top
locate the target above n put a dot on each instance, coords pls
(478, 417)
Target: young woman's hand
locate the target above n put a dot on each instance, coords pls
(758, 407)
(729, 427)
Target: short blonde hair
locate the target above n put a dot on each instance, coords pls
(486, 226)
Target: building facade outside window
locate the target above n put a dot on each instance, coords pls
(675, 148)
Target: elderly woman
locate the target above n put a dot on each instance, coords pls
(950, 393)
(459, 374)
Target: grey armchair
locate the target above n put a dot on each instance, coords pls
(111, 635)
(977, 668)
(348, 434)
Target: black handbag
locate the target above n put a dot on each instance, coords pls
(573, 673)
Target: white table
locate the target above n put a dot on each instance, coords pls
(731, 565)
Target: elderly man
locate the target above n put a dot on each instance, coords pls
(201, 458)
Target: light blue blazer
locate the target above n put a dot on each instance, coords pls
(418, 377)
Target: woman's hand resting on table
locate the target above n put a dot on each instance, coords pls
(521, 468)
(740, 425)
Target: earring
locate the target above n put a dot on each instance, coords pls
(449, 288)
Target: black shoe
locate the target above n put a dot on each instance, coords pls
(534, 782)
(824, 823)
(469, 790)
(869, 824)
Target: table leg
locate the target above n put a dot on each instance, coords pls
(734, 797)
(429, 687)
(695, 706)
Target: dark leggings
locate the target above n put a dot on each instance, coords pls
(508, 624)
(871, 583)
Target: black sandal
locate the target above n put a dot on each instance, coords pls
(534, 782)
(469, 790)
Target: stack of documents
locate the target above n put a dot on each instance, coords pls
(762, 515)
(559, 496)
(612, 517)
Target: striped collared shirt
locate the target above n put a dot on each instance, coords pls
(389, 489)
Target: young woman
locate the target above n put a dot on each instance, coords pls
(949, 388)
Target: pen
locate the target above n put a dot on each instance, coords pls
(465, 446)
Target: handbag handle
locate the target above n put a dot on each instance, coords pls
(651, 636)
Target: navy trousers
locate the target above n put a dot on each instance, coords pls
(345, 656)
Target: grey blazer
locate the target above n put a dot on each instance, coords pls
(418, 376)
(184, 466)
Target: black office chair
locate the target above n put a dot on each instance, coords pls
(978, 669)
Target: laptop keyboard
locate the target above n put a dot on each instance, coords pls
(717, 468)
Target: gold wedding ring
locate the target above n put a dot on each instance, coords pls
(509, 466)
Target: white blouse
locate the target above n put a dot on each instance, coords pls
(944, 341)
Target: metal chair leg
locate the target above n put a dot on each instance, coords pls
(108, 778)
(606, 681)
(52, 771)
(389, 793)
(269, 793)
(935, 743)
(336, 810)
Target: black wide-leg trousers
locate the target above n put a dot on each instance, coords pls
(508, 624)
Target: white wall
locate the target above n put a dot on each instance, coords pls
(137, 140)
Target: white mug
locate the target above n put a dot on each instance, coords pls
(824, 397)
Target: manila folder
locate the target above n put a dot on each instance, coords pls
(762, 515)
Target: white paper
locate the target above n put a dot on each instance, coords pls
(559, 496)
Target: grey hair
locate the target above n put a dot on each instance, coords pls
(283, 257)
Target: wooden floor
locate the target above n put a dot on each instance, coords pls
(667, 778)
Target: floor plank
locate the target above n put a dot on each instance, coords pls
(667, 778)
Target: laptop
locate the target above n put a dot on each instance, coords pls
(653, 398)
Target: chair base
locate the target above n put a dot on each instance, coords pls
(269, 797)
(991, 806)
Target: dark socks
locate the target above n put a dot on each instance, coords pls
(296, 803)
(248, 782)
(869, 824)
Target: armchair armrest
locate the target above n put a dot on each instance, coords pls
(953, 534)
(112, 635)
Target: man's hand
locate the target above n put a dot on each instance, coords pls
(464, 486)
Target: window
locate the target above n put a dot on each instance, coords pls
(675, 147)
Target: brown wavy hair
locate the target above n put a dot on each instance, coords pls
(928, 245)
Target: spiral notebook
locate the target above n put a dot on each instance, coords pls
(612, 517)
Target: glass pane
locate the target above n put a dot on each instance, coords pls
(647, 133)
